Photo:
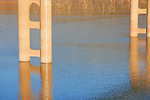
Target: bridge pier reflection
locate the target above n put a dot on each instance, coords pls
(147, 70)
(133, 61)
(24, 77)
(139, 69)
(45, 72)
(46, 82)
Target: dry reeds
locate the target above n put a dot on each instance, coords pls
(91, 4)
(103, 6)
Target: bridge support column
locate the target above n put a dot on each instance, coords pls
(24, 40)
(24, 34)
(134, 18)
(148, 19)
(46, 36)
(135, 11)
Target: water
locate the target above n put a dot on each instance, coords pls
(93, 59)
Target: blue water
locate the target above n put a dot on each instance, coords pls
(91, 60)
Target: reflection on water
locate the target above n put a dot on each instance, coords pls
(133, 58)
(91, 55)
(139, 70)
(45, 72)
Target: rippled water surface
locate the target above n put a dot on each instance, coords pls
(93, 59)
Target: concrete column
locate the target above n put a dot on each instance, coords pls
(148, 19)
(46, 31)
(24, 36)
(46, 82)
(134, 18)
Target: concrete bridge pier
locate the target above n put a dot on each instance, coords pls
(148, 19)
(46, 31)
(45, 25)
(135, 11)
(134, 18)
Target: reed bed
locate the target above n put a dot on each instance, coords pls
(111, 6)
(94, 4)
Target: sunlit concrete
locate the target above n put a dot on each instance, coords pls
(24, 31)
(135, 11)
(46, 36)
(148, 19)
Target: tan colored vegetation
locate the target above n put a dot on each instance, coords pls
(93, 4)
(111, 6)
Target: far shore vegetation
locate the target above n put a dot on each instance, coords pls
(103, 6)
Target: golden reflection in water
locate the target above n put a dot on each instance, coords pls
(133, 61)
(24, 76)
(45, 72)
(139, 78)
(46, 85)
(147, 71)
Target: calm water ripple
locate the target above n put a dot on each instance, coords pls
(93, 59)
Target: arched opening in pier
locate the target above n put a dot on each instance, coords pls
(34, 12)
